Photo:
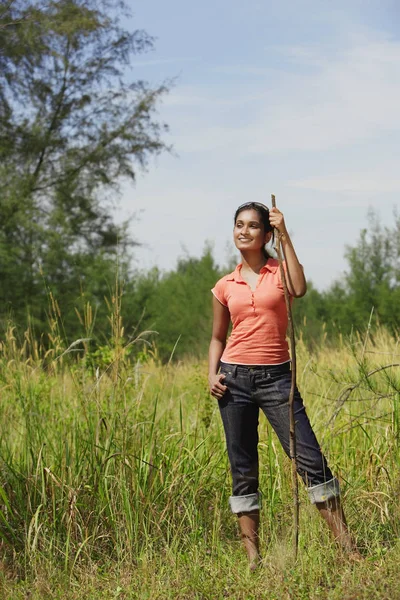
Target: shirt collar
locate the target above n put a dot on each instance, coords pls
(271, 265)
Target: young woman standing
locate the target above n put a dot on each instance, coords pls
(251, 371)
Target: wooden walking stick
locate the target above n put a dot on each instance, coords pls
(292, 430)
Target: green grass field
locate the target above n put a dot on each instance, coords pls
(114, 481)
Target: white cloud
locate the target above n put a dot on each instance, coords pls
(357, 183)
(350, 99)
(346, 98)
(155, 62)
(318, 123)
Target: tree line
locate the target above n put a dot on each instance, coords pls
(71, 131)
(177, 304)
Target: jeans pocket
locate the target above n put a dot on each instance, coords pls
(226, 370)
(229, 375)
(280, 386)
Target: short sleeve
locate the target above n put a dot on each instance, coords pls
(219, 292)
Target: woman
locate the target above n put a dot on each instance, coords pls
(252, 371)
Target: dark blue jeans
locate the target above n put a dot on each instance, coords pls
(268, 387)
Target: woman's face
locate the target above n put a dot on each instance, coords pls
(248, 232)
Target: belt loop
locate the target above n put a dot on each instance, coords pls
(234, 371)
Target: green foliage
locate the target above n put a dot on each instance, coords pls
(70, 130)
(123, 483)
(176, 304)
(369, 292)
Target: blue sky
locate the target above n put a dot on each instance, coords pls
(298, 98)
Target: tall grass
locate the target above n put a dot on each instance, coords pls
(115, 477)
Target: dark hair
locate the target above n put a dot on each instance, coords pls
(263, 211)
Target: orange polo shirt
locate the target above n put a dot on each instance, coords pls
(259, 318)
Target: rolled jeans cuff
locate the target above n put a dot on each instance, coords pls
(324, 491)
(247, 503)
